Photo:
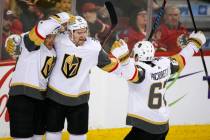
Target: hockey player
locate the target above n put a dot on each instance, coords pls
(147, 108)
(26, 103)
(69, 90)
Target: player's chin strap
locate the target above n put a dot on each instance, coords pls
(206, 77)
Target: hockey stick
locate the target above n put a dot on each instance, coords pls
(206, 77)
(157, 20)
(114, 21)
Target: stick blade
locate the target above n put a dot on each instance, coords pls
(112, 13)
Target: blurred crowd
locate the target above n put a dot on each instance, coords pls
(171, 36)
(21, 15)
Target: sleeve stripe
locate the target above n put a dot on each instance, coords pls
(111, 66)
(114, 67)
(35, 37)
(183, 59)
(135, 76)
(37, 33)
(180, 59)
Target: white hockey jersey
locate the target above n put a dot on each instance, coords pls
(146, 100)
(30, 77)
(69, 80)
(147, 107)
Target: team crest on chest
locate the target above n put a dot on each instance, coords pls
(70, 66)
(48, 65)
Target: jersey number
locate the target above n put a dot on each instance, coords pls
(70, 66)
(48, 65)
(155, 98)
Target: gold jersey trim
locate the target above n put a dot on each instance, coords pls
(27, 85)
(69, 94)
(146, 120)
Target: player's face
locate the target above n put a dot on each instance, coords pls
(79, 36)
(173, 17)
(49, 41)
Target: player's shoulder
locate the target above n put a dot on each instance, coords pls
(62, 38)
(162, 61)
(23, 34)
(93, 43)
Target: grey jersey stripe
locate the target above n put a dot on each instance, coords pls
(66, 100)
(28, 91)
(151, 128)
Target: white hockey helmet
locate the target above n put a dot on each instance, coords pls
(143, 51)
(77, 23)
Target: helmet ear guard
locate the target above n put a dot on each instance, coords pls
(143, 51)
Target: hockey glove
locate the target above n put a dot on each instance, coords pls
(198, 39)
(120, 51)
(62, 17)
(11, 44)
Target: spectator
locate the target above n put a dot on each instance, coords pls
(103, 14)
(129, 5)
(30, 15)
(137, 29)
(16, 26)
(46, 6)
(11, 25)
(97, 28)
(63, 6)
(171, 35)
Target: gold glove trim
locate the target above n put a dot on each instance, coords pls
(197, 42)
(35, 37)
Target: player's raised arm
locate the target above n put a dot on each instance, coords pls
(37, 35)
(127, 68)
(107, 62)
(195, 42)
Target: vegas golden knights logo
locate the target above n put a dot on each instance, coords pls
(70, 65)
(48, 65)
